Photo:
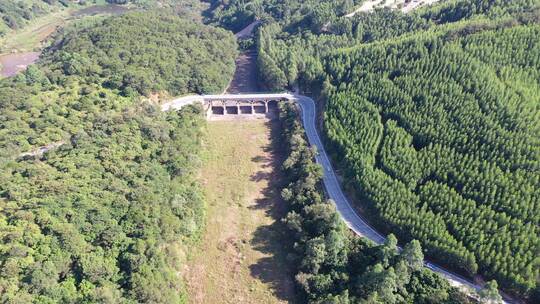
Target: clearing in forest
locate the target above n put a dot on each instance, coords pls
(31, 36)
(403, 5)
(240, 258)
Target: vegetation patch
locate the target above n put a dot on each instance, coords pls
(107, 66)
(443, 146)
(107, 216)
(433, 117)
(335, 266)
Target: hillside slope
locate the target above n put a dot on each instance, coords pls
(104, 67)
(441, 138)
(434, 118)
(108, 216)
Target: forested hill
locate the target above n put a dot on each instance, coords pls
(108, 216)
(105, 66)
(434, 118)
(113, 52)
(442, 141)
(236, 14)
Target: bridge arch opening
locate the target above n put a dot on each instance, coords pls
(246, 110)
(218, 111)
(232, 110)
(259, 107)
(272, 105)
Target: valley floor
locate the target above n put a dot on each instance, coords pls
(240, 258)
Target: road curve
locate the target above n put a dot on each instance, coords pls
(351, 218)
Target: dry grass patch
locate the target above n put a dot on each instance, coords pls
(240, 258)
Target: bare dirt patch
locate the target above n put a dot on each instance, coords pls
(11, 64)
(240, 258)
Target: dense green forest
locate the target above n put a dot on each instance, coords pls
(291, 53)
(335, 266)
(442, 142)
(108, 216)
(434, 118)
(236, 14)
(115, 56)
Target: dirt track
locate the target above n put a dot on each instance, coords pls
(245, 76)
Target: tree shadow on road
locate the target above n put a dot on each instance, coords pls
(274, 270)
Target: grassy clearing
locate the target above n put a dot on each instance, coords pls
(240, 258)
(31, 36)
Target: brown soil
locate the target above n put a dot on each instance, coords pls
(245, 76)
(11, 64)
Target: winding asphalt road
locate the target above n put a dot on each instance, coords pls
(351, 218)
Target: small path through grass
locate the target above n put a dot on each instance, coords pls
(240, 258)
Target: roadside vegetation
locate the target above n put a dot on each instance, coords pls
(106, 217)
(332, 264)
(430, 115)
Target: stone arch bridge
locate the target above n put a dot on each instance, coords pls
(234, 104)
(241, 106)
